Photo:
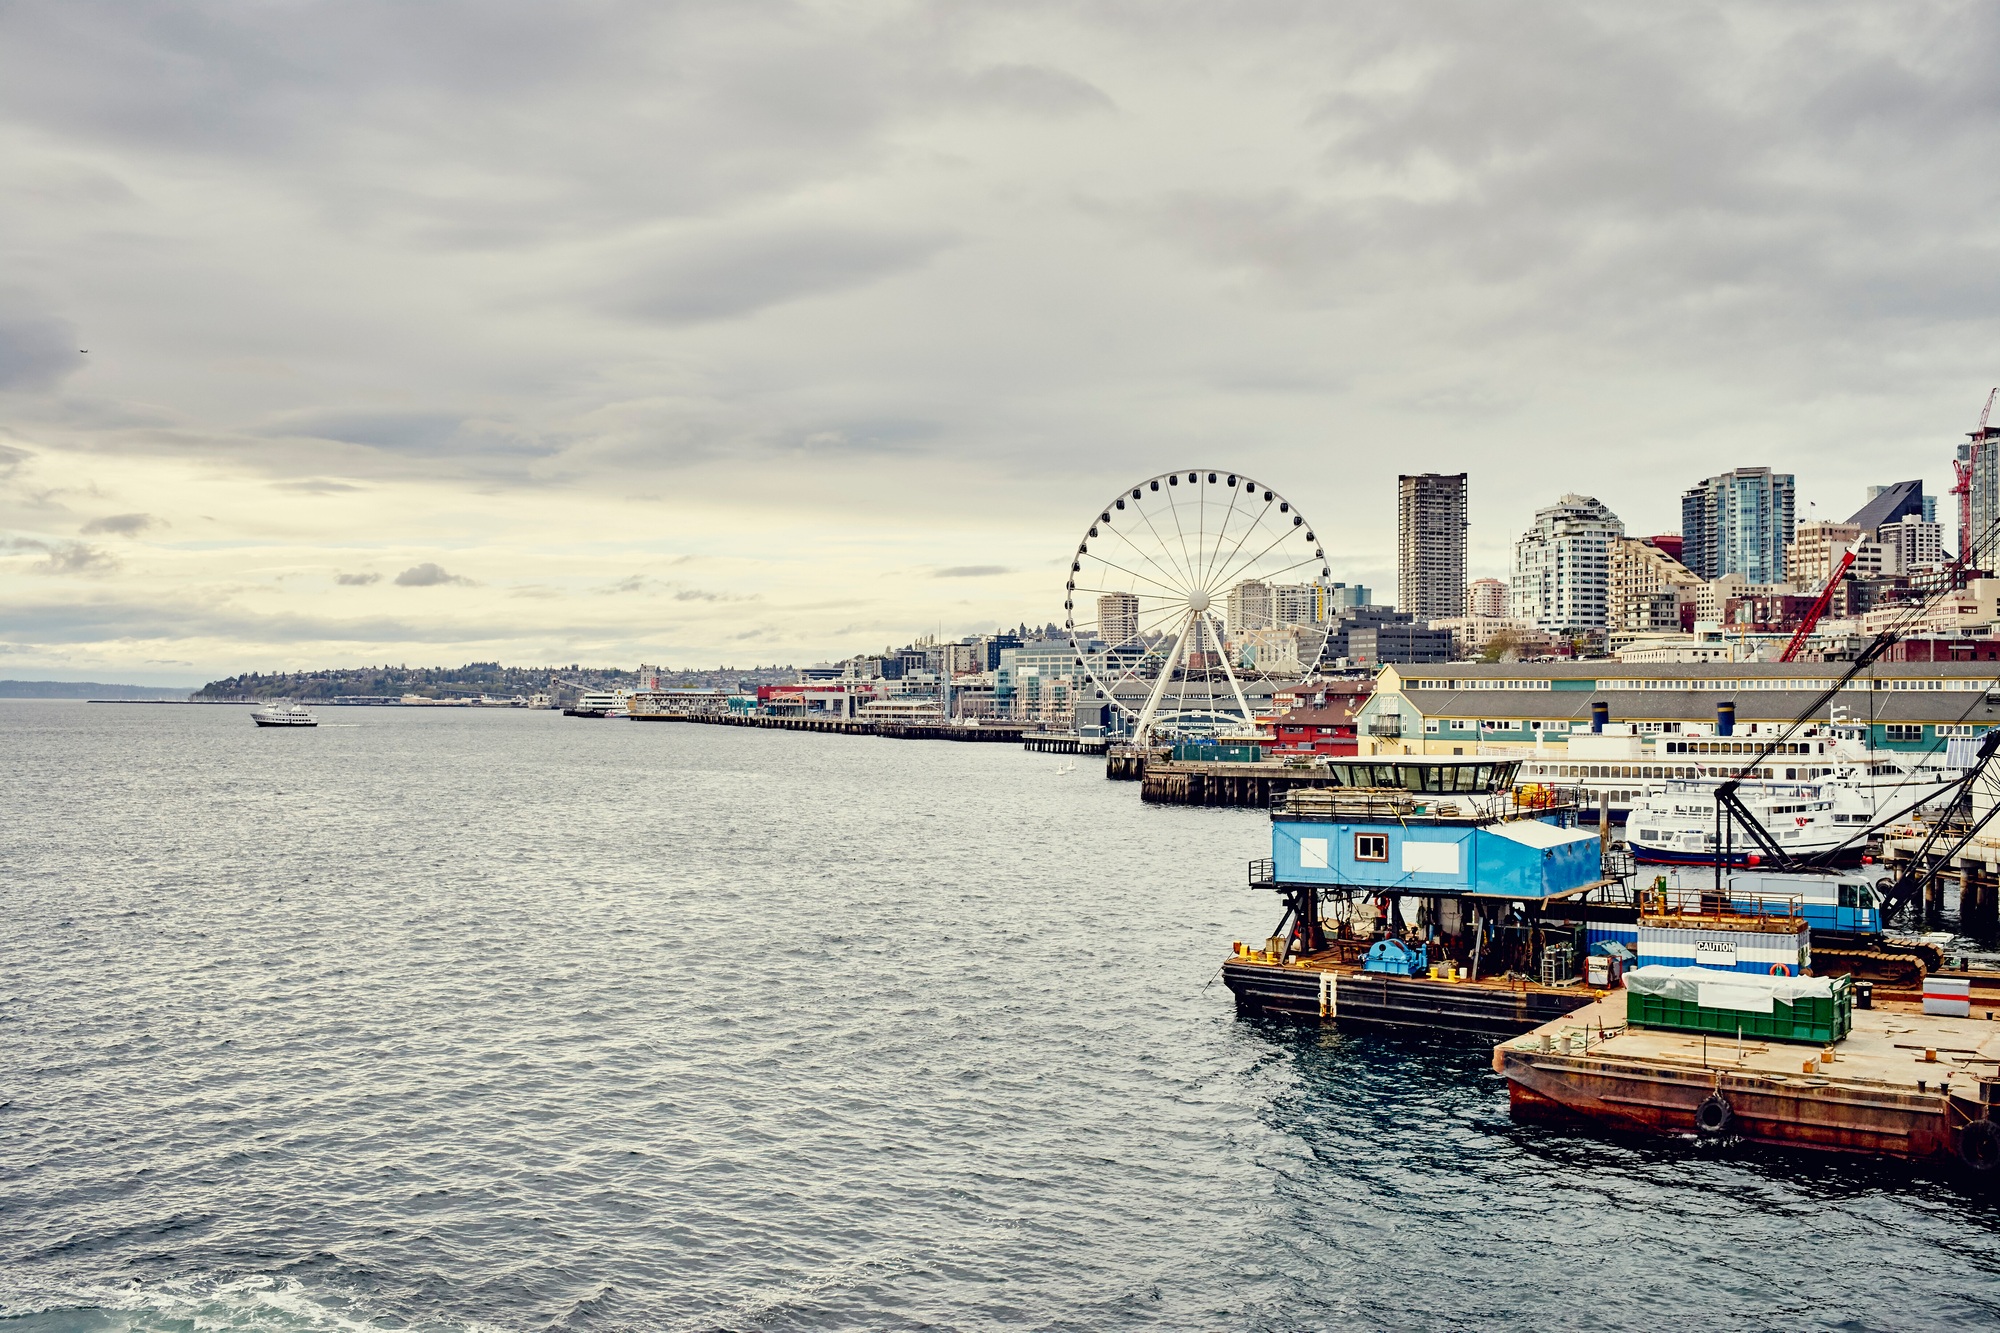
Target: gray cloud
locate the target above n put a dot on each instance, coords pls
(122, 525)
(970, 571)
(427, 575)
(360, 580)
(63, 557)
(36, 350)
(735, 274)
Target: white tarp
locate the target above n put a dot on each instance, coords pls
(1690, 985)
(1742, 999)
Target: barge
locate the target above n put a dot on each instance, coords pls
(1901, 1083)
(1425, 893)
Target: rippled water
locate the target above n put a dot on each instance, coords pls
(504, 1020)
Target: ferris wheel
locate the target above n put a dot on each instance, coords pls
(1191, 592)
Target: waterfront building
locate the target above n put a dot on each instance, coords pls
(1480, 708)
(1562, 566)
(1486, 599)
(1399, 642)
(1738, 522)
(1118, 618)
(1430, 544)
(1040, 681)
(1650, 591)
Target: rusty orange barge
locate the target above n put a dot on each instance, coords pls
(1902, 1084)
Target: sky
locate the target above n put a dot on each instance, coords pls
(745, 333)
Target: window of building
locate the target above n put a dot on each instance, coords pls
(1904, 731)
(1371, 846)
(1951, 729)
(1430, 726)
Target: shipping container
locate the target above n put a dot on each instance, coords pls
(1772, 953)
(1818, 1010)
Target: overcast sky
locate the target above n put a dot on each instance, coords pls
(753, 333)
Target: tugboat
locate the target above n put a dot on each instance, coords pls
(279, 713)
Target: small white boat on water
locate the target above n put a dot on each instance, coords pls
(282, 713)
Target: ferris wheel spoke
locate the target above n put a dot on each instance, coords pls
(1180, 531)
(1142, 553)
(1226, 579)
(1255, 525)
(1179, 594)
(1154, 529)
(1221, 534)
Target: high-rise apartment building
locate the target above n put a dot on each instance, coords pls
(1299, 603)
(1562, 566)
(1486, 597)
(1430, 545)
(1738, 522)
(1248, 607)
(1118, 618)
(1910, 544)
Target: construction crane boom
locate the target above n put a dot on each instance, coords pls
(1818, 608)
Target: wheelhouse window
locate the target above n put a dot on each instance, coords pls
(1371, 846)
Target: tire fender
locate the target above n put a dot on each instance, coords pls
(1979, 1146)
(1715, 1118)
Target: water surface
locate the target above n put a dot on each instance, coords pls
(502, 1020)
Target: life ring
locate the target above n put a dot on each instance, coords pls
(1781, 969)
(1979, 1145)
(1715, 1117)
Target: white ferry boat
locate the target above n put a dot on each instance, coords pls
(1865, 786)
(601, 703)
(280, 713)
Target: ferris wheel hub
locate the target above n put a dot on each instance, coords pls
(1198, 602)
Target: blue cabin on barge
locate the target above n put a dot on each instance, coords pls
(1404, 880)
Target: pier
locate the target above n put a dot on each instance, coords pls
(1901, 1084)
(1059, 742)
(1199, 782)
(900, 730)
(1127, 763)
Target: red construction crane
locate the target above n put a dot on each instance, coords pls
(1962, 487)
(1818, 608)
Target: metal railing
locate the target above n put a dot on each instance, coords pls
(1263, 871)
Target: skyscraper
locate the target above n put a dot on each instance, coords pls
(1738, 522)
(1118, 618)
(1562, 566)
(1430, 545)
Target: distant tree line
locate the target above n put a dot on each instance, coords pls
(473, 678)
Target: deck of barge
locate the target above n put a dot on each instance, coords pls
(1878, 1095)
(1342, 993)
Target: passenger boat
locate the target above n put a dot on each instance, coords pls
(281, 713)
(599, 703)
